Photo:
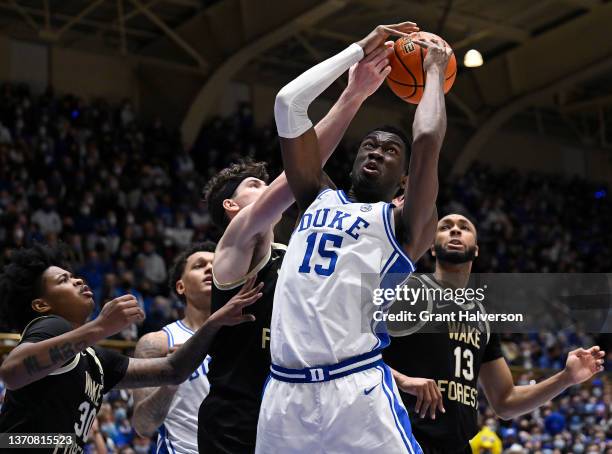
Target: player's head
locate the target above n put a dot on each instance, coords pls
(234, 188)
(36, 282)
(381, 164)
(191, 275)
(456, 239)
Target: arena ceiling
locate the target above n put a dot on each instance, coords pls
(550, 60)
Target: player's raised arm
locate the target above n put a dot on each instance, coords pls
(299, 144)
(428, 129)
(253, 222)
(176, 368)
(510, 401)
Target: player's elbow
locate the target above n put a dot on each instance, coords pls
(141, 425)
(503, 410)
(427, 139)
(291, 113)
(9, 377)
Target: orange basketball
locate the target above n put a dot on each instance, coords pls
(407, 77)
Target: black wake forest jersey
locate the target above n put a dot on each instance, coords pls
(68, 399)
(450, 353)
(227, 421)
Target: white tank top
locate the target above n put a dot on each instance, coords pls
(338, 255)
(179, 432)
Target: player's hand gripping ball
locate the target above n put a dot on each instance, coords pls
(407, 77)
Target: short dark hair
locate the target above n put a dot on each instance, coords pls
(398, 132)
(461, 212)
(223, 184)
(21, 281)
(178, 266)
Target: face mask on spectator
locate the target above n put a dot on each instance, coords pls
(559, 444)
(578, 448)
(597, 392)
(120, 414)
(140, 449)
(108, 428)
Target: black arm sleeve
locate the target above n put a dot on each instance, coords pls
(45, 328)
(493, 349)
(114, 365)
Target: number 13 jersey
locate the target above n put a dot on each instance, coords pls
(327, 305)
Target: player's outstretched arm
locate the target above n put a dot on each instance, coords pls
(509, 401)
(31, 361)
(176, 368)
(247, 234)
(151, 405)
(428, 130)
(299, 144)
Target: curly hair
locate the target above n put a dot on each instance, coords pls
(21, 282)
(178, 266)
(223, 185)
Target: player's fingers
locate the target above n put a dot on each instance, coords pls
(422, 43)
(128, 304)
(374, 54)
(385, 72)
(122, 299)
(251, 299)
(382, 64)
(426, 402)
(419, 402)
(247, 318)
(394, 32)
(406, 26)
(382, 57)
(594, 350)
(248, 284)
(579, 352)
(242, 303)
(440, 398)
(600, 354)
(252, 292)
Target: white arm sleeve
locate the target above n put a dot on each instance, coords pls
(291, 105)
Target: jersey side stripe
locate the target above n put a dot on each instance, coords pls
(342, 197)
(391, 236)
(389, 393)
(182, 326)
(170, 337)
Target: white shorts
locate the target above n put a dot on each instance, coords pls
(358, 413)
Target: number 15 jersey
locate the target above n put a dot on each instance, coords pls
(340, 259)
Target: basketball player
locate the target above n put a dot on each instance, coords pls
(329, 389)
(173, 409)
(56, 376)
(456, 357)
(228, 416)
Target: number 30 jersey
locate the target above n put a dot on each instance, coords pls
(340, 259)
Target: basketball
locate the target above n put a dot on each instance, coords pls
(407, 77)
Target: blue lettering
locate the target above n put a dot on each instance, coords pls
(356, 226)
(317, 222)
(305, 221)
(338, 218)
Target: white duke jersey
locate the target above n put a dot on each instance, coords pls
(338, 255)
(179, 432)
